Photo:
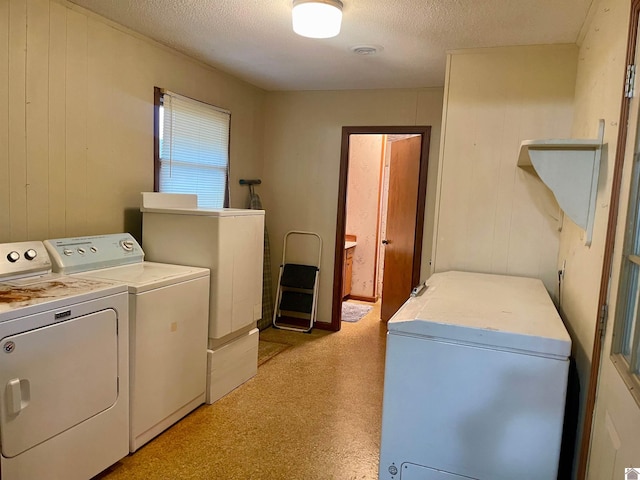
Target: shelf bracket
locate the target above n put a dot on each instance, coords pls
(570, 168)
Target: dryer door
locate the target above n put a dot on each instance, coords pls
(55, 377)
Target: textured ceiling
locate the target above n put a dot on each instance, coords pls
(253, 39)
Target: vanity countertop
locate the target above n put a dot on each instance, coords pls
(348, 245)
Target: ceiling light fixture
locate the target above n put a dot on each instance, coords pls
(317, 18)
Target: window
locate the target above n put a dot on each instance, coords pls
(627, 329)
(192, 149)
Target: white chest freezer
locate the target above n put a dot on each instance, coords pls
(475, 382)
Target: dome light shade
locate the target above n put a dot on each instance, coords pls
(317, 18)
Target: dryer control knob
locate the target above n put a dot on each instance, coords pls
(13, 256)
(127, 245)
(30, 254)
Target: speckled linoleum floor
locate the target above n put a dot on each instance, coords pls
(313, 411)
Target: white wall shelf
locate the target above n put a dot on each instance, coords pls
(570, 168)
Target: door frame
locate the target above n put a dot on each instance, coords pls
(425, 132)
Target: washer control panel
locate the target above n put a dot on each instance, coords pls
(22, 259)
(81, 254)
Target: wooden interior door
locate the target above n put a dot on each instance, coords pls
(400, 241)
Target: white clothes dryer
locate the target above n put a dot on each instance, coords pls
(168, 318)
(64, 375)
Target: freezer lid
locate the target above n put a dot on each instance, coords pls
(207, 212)
(186, 204)
(147, 276)
(494, 311)
(169, 200)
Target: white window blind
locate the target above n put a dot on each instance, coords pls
(194, 149)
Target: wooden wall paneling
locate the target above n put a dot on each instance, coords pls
(37, 119)
(485, 185)
(101, 174)
(509, 126)
(546, 113)
(140, 154)
(493, 218)
(456, 177)
(481, 210)
(5, 214)
(133, 126)
(504, 208)
(17, 118)
(522, 252)
(533, 236)
(93, 87)
(57, 120)
(77, 207)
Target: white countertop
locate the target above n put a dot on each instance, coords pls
(348, 245)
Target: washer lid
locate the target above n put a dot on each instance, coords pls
(504, 312)
(141, 277)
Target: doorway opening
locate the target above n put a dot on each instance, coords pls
(380, 218)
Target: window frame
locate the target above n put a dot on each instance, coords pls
(158, 94)
(627, 301)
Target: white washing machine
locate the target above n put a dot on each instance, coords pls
(168, 319)
(475, 382)
(64, 374)
(230, 242)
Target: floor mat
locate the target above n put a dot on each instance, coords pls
(352, 312)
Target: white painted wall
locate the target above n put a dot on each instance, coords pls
(494, 217)
(363, 188)
(76, 138)
(302, 161)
